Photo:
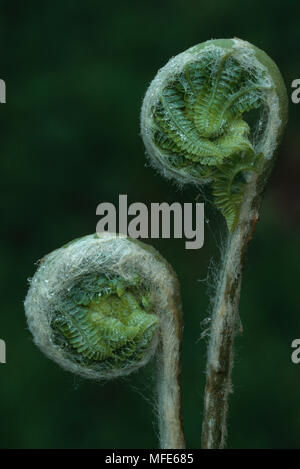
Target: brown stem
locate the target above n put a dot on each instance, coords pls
(226, 322)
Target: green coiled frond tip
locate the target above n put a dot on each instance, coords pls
(214, 114)
(93, 305)
(105, 320)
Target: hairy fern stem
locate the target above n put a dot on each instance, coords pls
(171, 432)
(226, 322)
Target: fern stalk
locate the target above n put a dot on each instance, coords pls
(226, 322)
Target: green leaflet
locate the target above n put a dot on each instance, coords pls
(105, 320)
(199, 125)
(229, 185)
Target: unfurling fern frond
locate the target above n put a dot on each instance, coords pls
(101, 306)
(215, 114)
(196, 123)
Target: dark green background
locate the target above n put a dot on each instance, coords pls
(76, 73)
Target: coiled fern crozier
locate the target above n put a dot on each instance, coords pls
(101, 306)
(215, 115)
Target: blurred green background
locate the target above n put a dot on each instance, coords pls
(76, 73)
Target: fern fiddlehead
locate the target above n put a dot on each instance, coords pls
(194, 119)
(215, 115)
(101, 306)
